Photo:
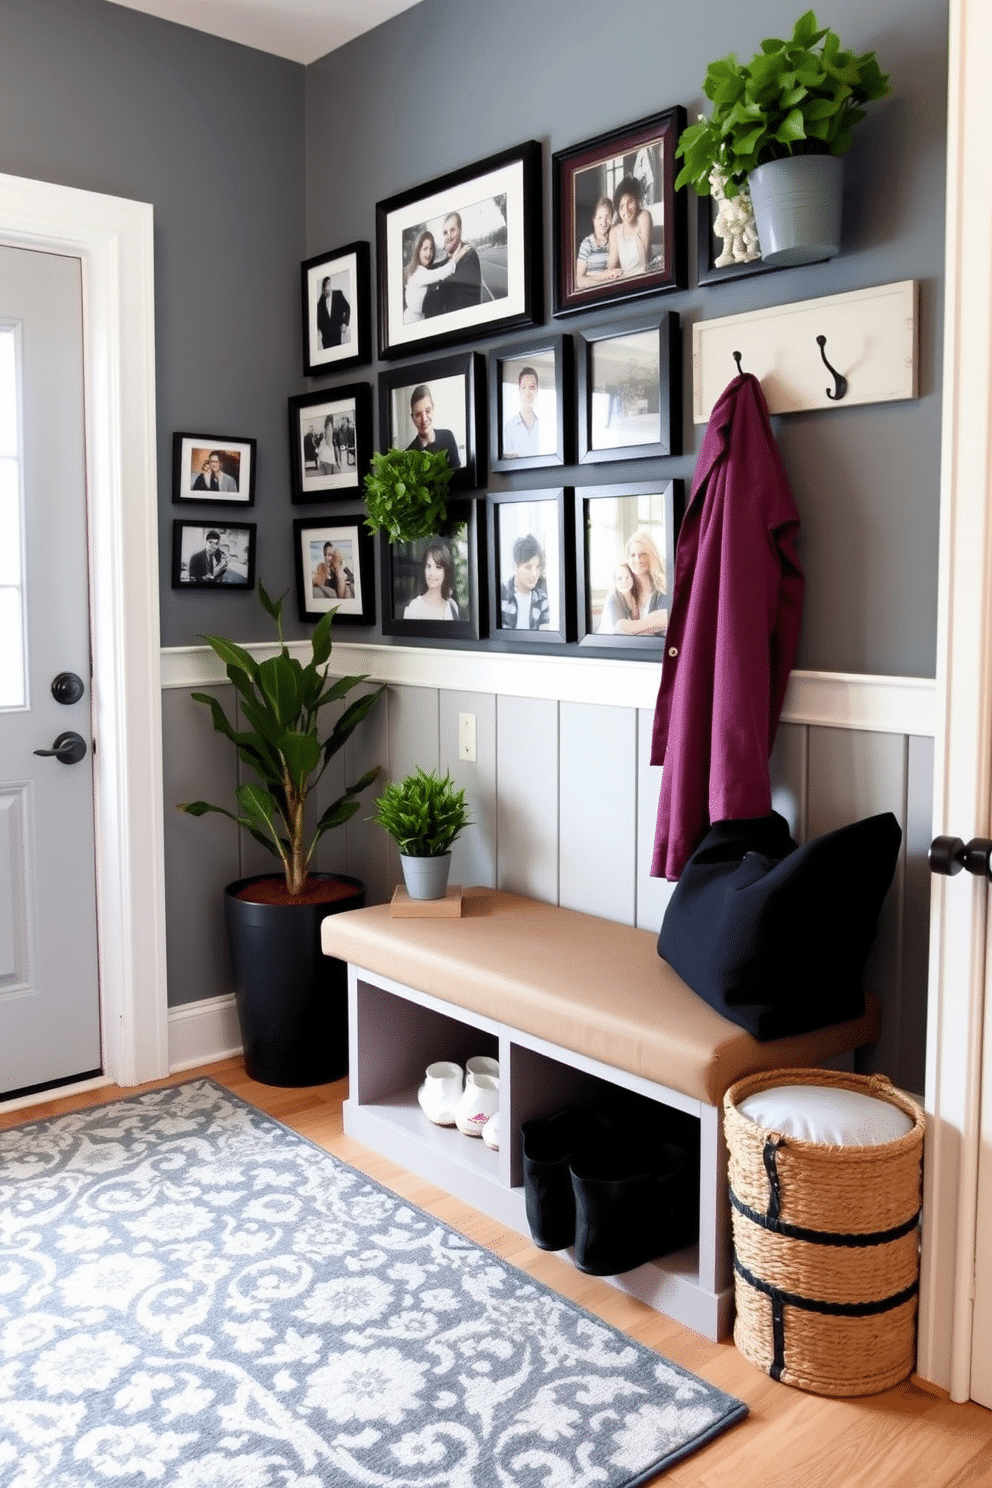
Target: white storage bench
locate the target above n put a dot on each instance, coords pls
(561, 999)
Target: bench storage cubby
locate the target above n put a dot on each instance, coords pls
(572, 1006)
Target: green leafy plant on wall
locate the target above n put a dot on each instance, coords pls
(281, 701)
(801, 96)
(406, 493)
(422, 813)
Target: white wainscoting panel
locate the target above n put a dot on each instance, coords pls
(527, 811)
(598, 805)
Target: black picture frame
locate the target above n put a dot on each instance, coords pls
(234, 540)
(350, 538)
(498, 203)
(531, 530)
(514, 367)
(609, 520)
(641, 155)
(403, 564)
(456, 385)
(706, 251)
(197, 458)
(620, 367)
(348, 411)
(347, 271)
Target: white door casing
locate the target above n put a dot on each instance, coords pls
(112, 238)
(963, 732)
(49, 1002)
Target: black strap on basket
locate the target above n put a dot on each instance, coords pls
(774, 1187)
(825, 1237)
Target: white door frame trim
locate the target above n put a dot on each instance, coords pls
(963, 732)
(112, 237)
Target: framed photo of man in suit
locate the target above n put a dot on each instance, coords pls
(437, 406)
(213, 468)
(336, 309)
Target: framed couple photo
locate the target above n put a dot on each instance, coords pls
(336, 309)
(461, 256)
(334, 570)
(430, 587)
(620, 225)
(213, 468)
(330, 442)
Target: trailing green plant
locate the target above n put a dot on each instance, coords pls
(798, 97)
(422, 813)
(281, 701)
(406, 493)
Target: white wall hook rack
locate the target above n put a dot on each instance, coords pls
(824, 353)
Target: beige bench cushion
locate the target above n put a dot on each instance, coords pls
(586, 984)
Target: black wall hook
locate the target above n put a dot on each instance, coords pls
(840, 382)
(737, 358)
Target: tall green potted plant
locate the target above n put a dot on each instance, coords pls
(291, 999)
(782, 124)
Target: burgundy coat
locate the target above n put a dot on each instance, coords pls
(732, 633)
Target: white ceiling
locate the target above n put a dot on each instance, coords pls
(301, 30)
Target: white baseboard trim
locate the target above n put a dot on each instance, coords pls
(849, 700)
(203, 1032)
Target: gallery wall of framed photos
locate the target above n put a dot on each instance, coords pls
(532, 390)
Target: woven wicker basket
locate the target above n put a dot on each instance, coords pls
(826, 1245)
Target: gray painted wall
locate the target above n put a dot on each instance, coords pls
(447, 83)
(106, 99)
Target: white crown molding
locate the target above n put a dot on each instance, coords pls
(899, 705)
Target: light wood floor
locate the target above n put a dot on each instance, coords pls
(906, 1438)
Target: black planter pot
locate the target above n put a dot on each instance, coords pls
(292, 999)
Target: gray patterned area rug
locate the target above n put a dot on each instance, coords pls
(194, 1296)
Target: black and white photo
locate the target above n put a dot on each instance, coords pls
(334, 569)
(206, 556)
(330, 442)
(213, 468)
(461, 254)
(336, 309)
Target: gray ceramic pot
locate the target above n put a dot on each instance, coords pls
(426, 878)
(797, 208)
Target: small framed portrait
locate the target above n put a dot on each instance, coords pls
(630, 391)
(620, 225)
(334, 569)
(211, 556)
(437, 406)
(531, 585)
(461, 256)
(337, 312)
(330, 442)
(430, 587)
(531, 425)
(727, 245)
(213, 468)
(625, 552)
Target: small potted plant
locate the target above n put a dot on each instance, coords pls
(291, 998)
(424, 815)
(406, 493)
(780, 124)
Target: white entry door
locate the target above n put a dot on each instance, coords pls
(49, 989)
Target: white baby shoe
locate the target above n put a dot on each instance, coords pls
(490, 1133)
(480, 1101)
(441, 1091)
(481, 1064)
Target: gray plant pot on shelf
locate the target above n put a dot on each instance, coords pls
(426, 878)
(797, 208)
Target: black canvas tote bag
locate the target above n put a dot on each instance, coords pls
(776, 936)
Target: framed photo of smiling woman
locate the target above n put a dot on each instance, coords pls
(430, 586)
(625, 551)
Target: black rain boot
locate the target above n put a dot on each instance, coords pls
(549, 1145)
(633, 1201)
